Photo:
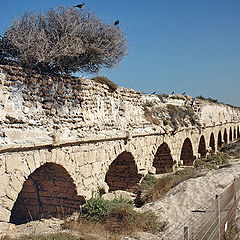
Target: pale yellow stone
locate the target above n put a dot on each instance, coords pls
(6, 203)
(31, 163)
(16, 185)
(11, 193)
(12, 163)
(4, 214)
(86, 171)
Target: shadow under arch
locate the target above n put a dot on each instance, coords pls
(163, 161)
(202, 147)
(212, 143)
(238, 132)
(225, 137)
(234, 134)
(123, 173)
(48, 192)
(230, 134)
(187, 153)
(220, 142)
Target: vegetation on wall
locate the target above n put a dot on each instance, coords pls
(63, 40)
(104, 80)
(172, 115)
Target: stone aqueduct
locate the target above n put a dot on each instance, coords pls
(64, 137)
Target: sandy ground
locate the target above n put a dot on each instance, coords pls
(175, 207)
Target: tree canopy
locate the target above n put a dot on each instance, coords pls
(64, 40)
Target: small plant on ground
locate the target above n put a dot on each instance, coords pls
(219, 159)
(116, 216)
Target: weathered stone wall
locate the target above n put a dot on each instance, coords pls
(81, 133)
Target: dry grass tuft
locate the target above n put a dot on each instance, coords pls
(154, 188)
(104, 80)
(57, 236)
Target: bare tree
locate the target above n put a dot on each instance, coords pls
(64, 40)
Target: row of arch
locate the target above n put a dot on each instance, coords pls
(50, 191)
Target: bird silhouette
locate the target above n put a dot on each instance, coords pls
(183, 93)
(154, 92)
(172, 92)
(79, 5)
(116, 22)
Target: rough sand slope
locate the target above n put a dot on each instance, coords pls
(192, 194)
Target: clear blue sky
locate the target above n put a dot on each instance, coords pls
(190, 46)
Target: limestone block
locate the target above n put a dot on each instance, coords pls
(96, 167)
(86, 170)
(16, 185)
(4, 214)
(4, 180)
(25, 169)
(31, 163)
(11, 193)
(91, 157)
(12, 163)
(88, 181)
(6, 203)
(79, 156)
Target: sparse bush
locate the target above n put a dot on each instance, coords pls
(104, 80)
(149, 104)
(63, 40)
(219, 159)
(116, 216)
(148, 113)
(153, 188)
(199, 164)
(207, 99)
(162, 97)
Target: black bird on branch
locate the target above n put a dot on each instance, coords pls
(116, 22)
(79, 5)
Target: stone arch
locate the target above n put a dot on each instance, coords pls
(219, 144)
(163, 161)
(225, 137)
(48, 192)
(202, 147)
(234, 134)
(187, 153)
(123, 173)
(212, 143)
(230, 134)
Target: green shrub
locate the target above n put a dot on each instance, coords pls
(117, 216)
(97, 209)
(104, 80)
(218, 159)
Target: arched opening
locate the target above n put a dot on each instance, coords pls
(219, 139)
(212, 143)
(230, 134)
(234, 134)
(238, 133)
(225, 138)
(202, 147)
(48, 192)
(123, 173)
(187, 153)
(163, 161)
